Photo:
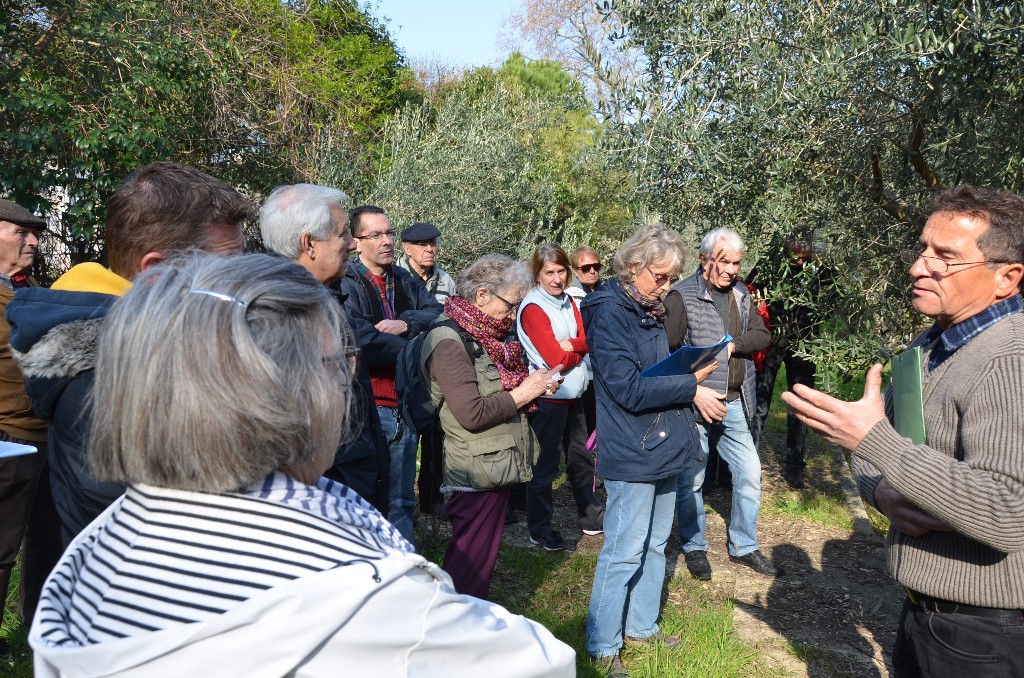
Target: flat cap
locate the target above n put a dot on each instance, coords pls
(420, 231)
(16, 214)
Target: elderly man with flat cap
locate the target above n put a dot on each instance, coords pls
(421, 243)
(26, 505)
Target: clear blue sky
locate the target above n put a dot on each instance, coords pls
(456, 32)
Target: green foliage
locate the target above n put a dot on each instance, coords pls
(765, 115)
(257, 92)
(502, 161)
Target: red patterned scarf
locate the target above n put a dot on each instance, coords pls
(507, 355)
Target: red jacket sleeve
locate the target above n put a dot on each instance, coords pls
(538, 328)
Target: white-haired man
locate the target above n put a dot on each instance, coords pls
(309, 225)
(702, 309)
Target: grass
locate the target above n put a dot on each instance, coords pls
(18, 664)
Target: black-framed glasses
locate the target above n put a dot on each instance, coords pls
(938, 264)
(590, 268)
(510, 308)
(422, 243)
(661, 279)
(377, 236)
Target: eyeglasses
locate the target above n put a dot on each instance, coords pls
(661, 279)
(589, 268)
(351, 357)
(938, 264)
(510, 308)
(421, 243)
(376, 236)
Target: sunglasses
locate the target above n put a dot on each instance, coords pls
(589, 268)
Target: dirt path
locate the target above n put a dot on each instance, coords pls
(832, 614)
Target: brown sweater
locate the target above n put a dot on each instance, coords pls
(970, 474)
(16, 416)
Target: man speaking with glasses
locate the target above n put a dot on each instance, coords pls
(955, 501)
(702, 309)
(398, 308)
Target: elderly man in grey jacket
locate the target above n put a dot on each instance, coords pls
(702, 309)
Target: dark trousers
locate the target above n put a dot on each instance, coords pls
(29, 523)
(559, 426)
(798, 371)
(938, 645)
(477, 521)
(431, 468)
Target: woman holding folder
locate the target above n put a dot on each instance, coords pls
(646, 435)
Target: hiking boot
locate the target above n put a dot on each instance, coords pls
(759, 563)
(612, 665)
(698, 565)
(669, 641)
(552, 541)
(592, 521)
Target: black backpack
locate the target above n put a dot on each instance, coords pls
(414, 402)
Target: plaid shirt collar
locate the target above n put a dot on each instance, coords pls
(959, 335)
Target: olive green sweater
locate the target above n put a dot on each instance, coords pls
(970, 474)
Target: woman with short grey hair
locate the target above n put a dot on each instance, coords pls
(481, 387)
(222, 389)
(646, 436)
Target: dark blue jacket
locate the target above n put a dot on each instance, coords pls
(413, 304)
(58, 331)
(645, 429)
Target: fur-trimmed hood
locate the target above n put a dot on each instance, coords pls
(53, 338)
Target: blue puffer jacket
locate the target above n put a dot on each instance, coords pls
(645, 429)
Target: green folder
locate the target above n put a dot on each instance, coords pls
(908, 396)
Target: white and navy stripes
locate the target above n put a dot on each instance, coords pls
(162, 558)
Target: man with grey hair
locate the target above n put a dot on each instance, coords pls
(30, 522)
(309, 225)
(702, 309)
(161, 209)
(941, 452)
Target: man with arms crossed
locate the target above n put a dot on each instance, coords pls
(702, 309)
(398, 308)
(955, 503)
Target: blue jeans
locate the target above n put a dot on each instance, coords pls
(731, 437)
(402, 441)
(631, 568)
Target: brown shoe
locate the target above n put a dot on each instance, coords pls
(669, 641)
(612, 666)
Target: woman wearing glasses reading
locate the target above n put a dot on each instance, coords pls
(480, 385)
(646, 435)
